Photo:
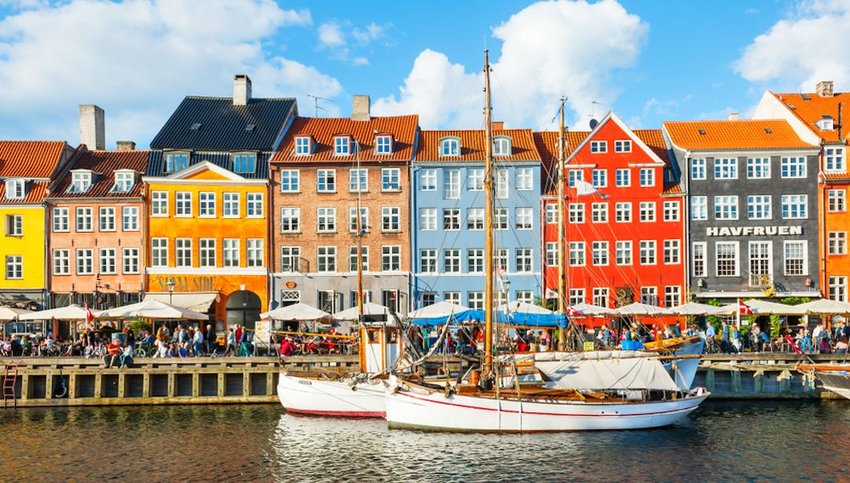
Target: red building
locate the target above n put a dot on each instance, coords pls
(624, 226)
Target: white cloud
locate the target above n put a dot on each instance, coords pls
(371, 33)
(801, 50)
(330, 35)
(549, 49)
(344, 41)
(137, 59)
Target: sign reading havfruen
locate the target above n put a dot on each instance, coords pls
(754, 231)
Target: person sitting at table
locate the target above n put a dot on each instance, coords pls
(113, 353)
(286, 347)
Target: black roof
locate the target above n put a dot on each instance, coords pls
(215, 124)
(156, 163)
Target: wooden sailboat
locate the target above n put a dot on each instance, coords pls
(834, 377)
(651, 400)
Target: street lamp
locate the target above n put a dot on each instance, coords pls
(170, 287)
(96, 290)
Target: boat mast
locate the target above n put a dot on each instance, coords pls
(488, 220)
(562, 242)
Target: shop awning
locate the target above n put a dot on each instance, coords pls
(196, 301)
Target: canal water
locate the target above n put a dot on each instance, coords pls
(755, 440)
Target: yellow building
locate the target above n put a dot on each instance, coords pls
(27, 169)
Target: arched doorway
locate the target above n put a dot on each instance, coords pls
(243, 308)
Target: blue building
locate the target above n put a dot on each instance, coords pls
(447, 211)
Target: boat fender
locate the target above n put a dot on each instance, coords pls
(354, 388)
(700, 391)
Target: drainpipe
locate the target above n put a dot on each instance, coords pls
(824, 239)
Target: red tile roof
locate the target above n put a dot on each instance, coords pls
(30, 159)
(36, 191)
(810, 108)
(472, 143)
(738, 134)
(323, 130)
(104, 163)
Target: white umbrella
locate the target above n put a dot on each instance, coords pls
(637, 308)
(296, 313)
(70, 312)
(440, 309)
(369, 309)
(152, 309)
(825, 307)
(524, 308)
(762, 307)
(8, 313)
(694, 308)
(591, 310)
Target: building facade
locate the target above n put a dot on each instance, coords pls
(323, 169)
(752, 219)
(448, 217)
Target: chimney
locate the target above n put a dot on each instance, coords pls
(824, 88)
(360, 108)
(92, 127)
(734, 116)
(241, 90)
(498, 125)
(125, 145)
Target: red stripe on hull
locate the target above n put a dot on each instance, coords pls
(337, 414)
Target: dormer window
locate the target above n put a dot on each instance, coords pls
(825, 123)
(450, 147)
(384, 144)
(342, 145)
(15, 189)
(124, 181)
(244, 163)
(80, 181)
(175, 162)
(502, 146)
(303, 145)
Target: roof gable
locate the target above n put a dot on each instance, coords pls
(103, 165)
(811, 108)
(30, 159)
(523, 147)
(604, 124)
(727, 135)
(205, 171)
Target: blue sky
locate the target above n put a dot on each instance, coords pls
(648, 61)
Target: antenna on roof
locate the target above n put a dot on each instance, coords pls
(316, 106)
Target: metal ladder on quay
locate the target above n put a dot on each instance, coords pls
(10, 379)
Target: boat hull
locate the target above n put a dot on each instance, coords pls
(318, 397)
(837, 382)
(409, 408)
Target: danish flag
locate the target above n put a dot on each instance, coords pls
(573, 312)
(89, 315)
(744, 309)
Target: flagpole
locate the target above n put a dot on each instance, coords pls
(738, 315)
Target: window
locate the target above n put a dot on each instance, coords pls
(451, 260)
(244, 163)
(254, 252)
(175, 162)
(14, 267)
(623, 252)
(598, 146)
(834, 159)
(390, 258)
(600, 296)
(624, 146)
(342, 145)
(760, 261)
(476, 300)
(699, 208)
(698, 169)
(390, 179)
(207, 252)
(384, 144)
(391, 219)
(130, 218)
(500, 219)
(623, 177)
(84, 219)
(450, 147)
(60, 219)
(647, 176)
(358, 180)
(647, 252)
(599, 178)
(671, 252)
(290, 180)
(793, 167)
(326, 181)
(85, 261)
(725, 168)
(183, 252)
(159, 252)
(837, 200)
(524, 179)
(796, 258)
(15, 189)
(576, 296)
(475, 260)
(290, 220)
(599, 251)
(671, 211)
(647, 211)
(649, 295)
(364, 219)
(599, 212)
(230, 204)
(475, 219)
(326, 220)
(428, 261)
(14, 225)
(326, 259)
(159, 203)
(475, 179)
(551, 213)
(758, 168)
(183, 204)
(698, 259)
(500, 260)
(623, 212)
(254, 205)
(352, 258)
(124, 181)
(795, 207)
(290, 259)
(576, 213)
(303, 145)
(726, 258)
(524, 218)
(758, 207)
(428, 298)
(524, 261)
(837, 242)
(230, 252)
(726, 207)
(573, 176)
(838, 288)
(577, 250)
(106, 218)
(130, 260)
(107, 261)
(61, 262)
(428, 180)
(451, 219)
(80, 181)
(551, 254)
(525, 296)
(428, 219)
(501, 183)
(502, 146)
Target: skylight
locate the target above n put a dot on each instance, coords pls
(196, 126)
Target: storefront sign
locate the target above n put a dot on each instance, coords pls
(198, 283)
(754, 231)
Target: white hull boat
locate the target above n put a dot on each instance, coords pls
(835, 378)
(340, 398)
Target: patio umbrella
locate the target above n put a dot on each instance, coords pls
(369, 309)
(440, 309)
(9, 313)
(296, 313)
(152, 309)
(591, 310)
(694, 308)
(825, 307)
(762, 307)
(637, 308)
(70, 313)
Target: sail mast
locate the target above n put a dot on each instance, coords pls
(488, 219)
(562, 236)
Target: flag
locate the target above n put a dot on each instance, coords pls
(744, 309)
(551, 294)
(793, 344)
(89, 315)
(572, 312)
(583, 188)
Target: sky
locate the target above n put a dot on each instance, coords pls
(647, 61)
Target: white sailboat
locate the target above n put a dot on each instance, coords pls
(652, 399)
